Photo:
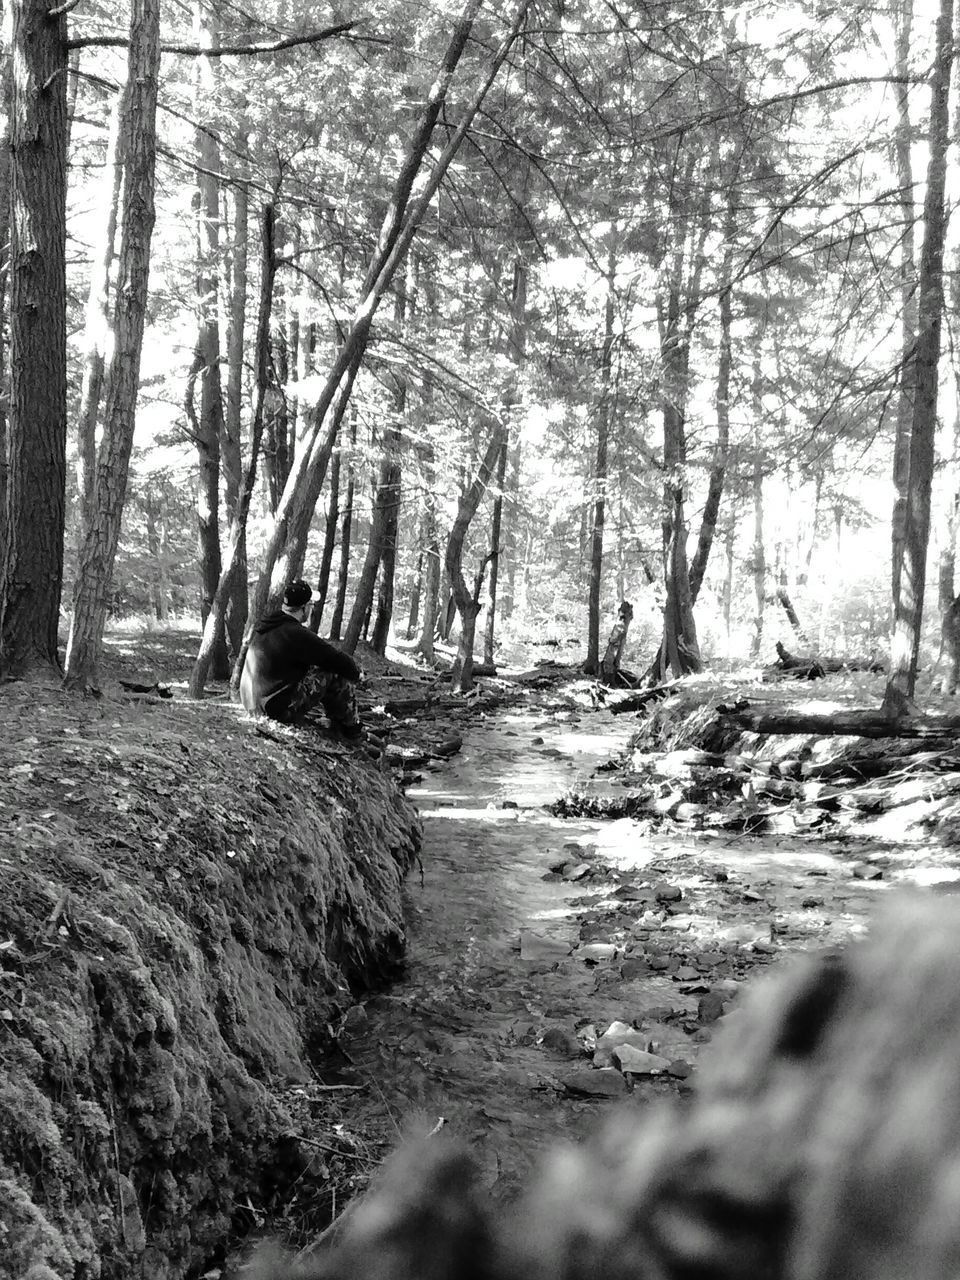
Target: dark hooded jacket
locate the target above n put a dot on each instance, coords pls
(281, 653)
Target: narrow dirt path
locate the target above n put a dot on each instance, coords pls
(512, 970)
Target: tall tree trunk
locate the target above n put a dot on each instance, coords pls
(604, 414)
(467, 602)
(680, 650)
(98, 552)
(758, 558)
(903, 15)
(32, 571)
(489, 630)
(729, 542)
(232, 561)
(6, 115)
(502, 534)
(346, 526)
(386, 505)
(284, 552)
(908, 604)
(210, 425)
(718, 467)
(231, 445)
(97, 326)
(416, 589)
(329, 540)
(431, 551)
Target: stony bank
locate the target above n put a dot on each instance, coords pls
(185, 906)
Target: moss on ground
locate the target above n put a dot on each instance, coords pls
(184, 903)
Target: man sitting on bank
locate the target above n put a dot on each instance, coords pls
(289, 670)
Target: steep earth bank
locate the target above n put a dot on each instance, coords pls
(184, 906)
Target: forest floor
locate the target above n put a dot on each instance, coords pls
(595, 891)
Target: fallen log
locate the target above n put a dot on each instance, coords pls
(857, 724)
(814, 666)
(637, 701)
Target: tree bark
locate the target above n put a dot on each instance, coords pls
(431, 551)
(680, 649)
(329, 540)
(6, 116)
(908, 604)
(99, 548)
(467, 602)
(231, 446)
(903, 15)
(604, 415)
(236, 540)
(758, 558)
(718, 467)
(386, 505)
(210, 425)
(32, 571)
(346, 527)
(283, 555)
(97, 325)
(489, 630)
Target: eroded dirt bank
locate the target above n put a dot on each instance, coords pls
(185, 905)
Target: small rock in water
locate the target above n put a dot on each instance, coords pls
(709, 1008)
(638, 1062)
(509, 804)
(615, 1036)
(589, 1083)
(680, 1069)
(634, 967)
(751, 895)
(594, 952)
(536, 742)
(810, 903)
(631, 893)
(687, 974)
(665, 892)
(863, 871)
(576, 870)
(533, 947)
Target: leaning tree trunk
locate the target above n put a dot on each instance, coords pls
(32, 570)
(489, 630)
(467, 602)
(718, 467)
(99, 548)
(285, 549)
(908, 603)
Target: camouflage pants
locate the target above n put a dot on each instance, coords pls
(336, 695)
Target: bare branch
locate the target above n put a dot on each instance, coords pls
(223, 51)
(61, 9)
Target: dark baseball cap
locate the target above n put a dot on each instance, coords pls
(298, 594)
